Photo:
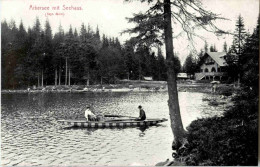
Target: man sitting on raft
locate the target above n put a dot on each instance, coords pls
(90, 116)
(142, 115)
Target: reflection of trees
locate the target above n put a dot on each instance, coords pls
(37, 104)
(41, 103)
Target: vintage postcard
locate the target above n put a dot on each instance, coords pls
(129, 82)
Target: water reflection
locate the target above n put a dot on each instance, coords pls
(29, 124)
(89, 131)
(142, 129)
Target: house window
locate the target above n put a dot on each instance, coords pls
(209, 61)
(206, 70)
(219, 70)
(213, 69)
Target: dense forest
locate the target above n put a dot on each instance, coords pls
(37, 57)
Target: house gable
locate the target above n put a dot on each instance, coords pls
(218, 57)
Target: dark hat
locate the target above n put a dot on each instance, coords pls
(140, 106)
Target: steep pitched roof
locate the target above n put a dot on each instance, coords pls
(218, 57)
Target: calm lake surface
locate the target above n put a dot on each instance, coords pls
(31, 135)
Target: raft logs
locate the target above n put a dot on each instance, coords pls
(64, 7)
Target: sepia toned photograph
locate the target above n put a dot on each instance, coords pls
(129, 82)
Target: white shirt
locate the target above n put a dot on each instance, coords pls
(88, 112)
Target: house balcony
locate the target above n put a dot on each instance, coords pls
(209, 75)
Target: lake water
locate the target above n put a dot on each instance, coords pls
(31, 135)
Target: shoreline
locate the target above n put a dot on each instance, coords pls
(143, 87)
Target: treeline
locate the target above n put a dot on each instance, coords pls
(37, 57)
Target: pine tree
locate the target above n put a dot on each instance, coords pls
(239, 36)
(129, 63)
(75, 33)
(199, 60)
(37, 52)
(190, 66)
(162, 75)
(36, 29)
(22, 32)
(238, 42)
(117, 44)
(250, 61)
(225, 47)
(58, 42)
(148, 28)
(83, 32)
(70, 32)
(61, 31)
(105, 41)
(9, 54)
(21, 47)
(69, 52)
(97, 35)
(89, 34)
(211, 48)
(177, 64)
(206, 47)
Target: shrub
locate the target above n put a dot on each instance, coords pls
(225, 90)
(228, 140)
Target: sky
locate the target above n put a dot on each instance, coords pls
(110, 16)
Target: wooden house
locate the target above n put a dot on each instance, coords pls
(213, 67)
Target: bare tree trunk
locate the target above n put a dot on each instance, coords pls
(69, 76)
(139, 69)
(42, 78)
(38, 79)
(239, 55)
(59, 76)
(56, 77)
(159, 76)
(66, 71)
(88, 78)
(173, 102)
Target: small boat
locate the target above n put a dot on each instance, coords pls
(111, 123)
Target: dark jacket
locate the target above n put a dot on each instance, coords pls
(142, 115)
